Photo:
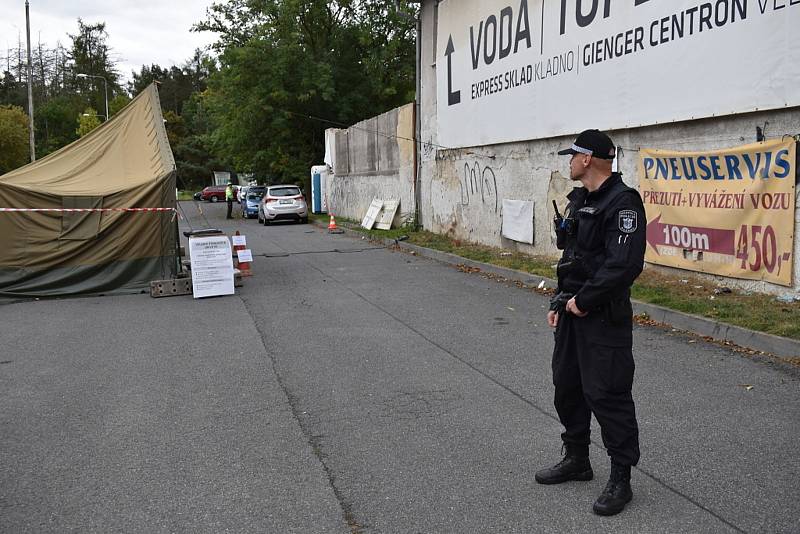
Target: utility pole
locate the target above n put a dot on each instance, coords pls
(30, 84)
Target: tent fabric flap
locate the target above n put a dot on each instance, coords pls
(125, 163)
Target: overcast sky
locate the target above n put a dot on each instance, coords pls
(140, 32)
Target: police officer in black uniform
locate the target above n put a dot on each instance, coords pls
(602, 234)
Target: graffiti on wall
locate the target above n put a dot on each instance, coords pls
(427, 147)
(479, 183)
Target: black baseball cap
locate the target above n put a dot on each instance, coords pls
(593, 143)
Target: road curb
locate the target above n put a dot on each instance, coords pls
(742, 337)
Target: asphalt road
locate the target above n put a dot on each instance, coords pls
(350, 388)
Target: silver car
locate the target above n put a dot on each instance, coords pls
(283, 202)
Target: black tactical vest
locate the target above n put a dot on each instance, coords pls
(585, 249)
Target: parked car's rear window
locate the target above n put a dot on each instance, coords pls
(284, 191)
(255, 196)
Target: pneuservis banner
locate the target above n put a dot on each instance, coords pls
(511, 70)
(727, 212)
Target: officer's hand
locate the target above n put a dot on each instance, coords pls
(552, 318)
(573, 308)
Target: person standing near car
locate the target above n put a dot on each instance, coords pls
(229, 194)
(602, 234)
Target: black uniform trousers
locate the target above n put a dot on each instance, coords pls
(593, 373)
(230, 210)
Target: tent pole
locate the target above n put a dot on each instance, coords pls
(178, 246)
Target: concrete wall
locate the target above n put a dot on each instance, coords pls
(374, 158)
(461, 190)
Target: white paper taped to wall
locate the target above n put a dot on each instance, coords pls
(518, 220)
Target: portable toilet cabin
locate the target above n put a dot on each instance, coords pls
(319, 196)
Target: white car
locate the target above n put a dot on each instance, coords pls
(281, 203)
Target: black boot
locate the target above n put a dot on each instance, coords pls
(574, 466)
(617, 493)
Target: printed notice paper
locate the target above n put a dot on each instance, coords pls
(212, 266)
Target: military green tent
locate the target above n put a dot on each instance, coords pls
(112, 246)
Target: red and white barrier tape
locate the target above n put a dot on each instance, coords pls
(71, 210)
(87, 209)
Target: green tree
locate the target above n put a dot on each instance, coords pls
(147, 75)
(189, 139)
(58, 94)
(87, 121)
(181, 89)
(177, 83)
(117, 103)
(176, 127)
(289, 69)
(14, 142)
(91, 55)
(13, 92)
(55, 123)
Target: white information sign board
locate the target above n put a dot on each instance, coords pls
(244, 255)
(212, 266)
(239, 240)
(512, 70)
(386, 216)
(372, 213)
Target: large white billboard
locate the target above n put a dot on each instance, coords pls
(511, 70)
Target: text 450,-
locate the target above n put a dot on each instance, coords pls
(757, 247)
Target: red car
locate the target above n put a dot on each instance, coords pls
(215, 193)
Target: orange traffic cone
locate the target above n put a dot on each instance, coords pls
(332, 224)
(244, 266)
